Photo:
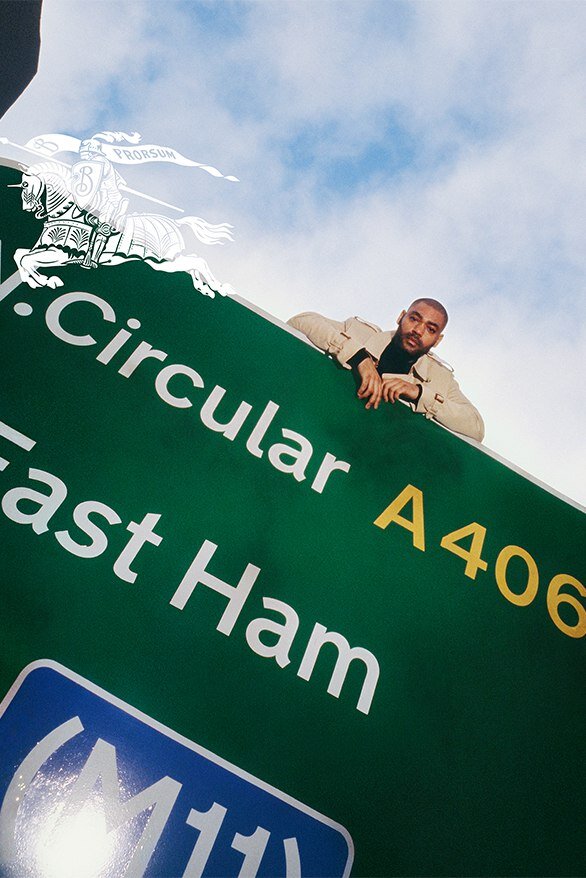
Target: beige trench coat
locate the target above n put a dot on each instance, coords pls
(441, 397)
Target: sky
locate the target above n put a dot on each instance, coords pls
(385, 151)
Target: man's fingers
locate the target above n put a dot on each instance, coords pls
(366, 388)
(392, 389)
(370, 388)
(374, 392)
(387, 391)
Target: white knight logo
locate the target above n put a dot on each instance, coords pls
(84, 208)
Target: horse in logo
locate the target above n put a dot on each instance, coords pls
(85, 225)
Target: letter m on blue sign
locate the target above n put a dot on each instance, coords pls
(90, 786)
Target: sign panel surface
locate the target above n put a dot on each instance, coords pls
(359, 608)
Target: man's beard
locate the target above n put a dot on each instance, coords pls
(409, 344)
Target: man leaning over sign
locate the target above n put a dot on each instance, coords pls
(398, 365)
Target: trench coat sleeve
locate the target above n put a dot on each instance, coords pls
(335, 337)
(451, 409)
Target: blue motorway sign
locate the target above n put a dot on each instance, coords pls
(92, 787)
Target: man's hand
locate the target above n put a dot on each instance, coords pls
(372, 385)
(393, 388)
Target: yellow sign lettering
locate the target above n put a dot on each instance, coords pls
(410, 494)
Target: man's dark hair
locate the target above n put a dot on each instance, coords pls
(433, 303)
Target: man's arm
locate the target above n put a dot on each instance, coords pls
(451, 409)
(333, 336)
(345, 341)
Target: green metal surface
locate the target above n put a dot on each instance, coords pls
(470, 759)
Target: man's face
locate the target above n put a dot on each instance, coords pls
(420, 328)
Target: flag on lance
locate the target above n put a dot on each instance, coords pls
(120, 148)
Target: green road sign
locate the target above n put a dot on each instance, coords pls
(263, 630)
